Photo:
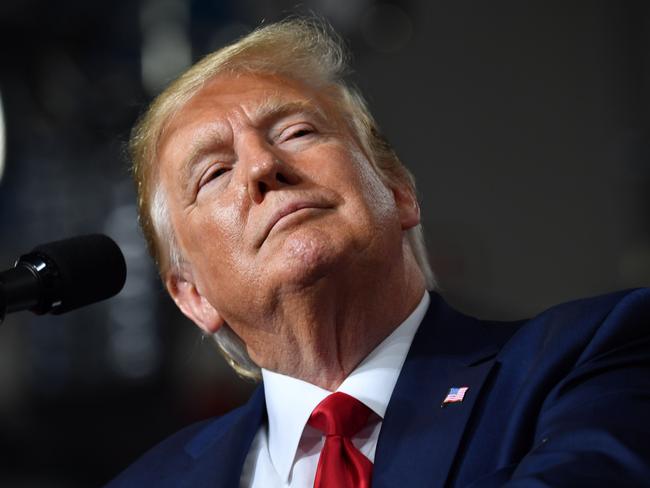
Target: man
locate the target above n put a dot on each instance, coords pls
(284, 224)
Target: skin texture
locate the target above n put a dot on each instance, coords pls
(287, 232)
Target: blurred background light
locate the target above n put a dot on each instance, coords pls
(166, 48)
(134, 347)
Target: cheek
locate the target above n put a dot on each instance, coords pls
(210, 234)
(369, 191)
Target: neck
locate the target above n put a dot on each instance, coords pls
(322, 333)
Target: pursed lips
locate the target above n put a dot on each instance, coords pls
(286, 210)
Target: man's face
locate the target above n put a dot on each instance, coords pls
(269, 194)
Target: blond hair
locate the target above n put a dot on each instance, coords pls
(300, 49)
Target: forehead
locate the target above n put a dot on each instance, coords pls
(249, 95)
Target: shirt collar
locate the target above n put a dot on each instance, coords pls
(290, 401)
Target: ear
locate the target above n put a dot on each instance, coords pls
(192, 303)
(407, 205)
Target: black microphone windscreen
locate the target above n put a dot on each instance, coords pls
(91, 268)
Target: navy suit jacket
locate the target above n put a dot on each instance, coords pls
(561, 400)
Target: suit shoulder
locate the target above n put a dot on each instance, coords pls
(637, 298)
(626, 307)
(603, 321)
(176, 454)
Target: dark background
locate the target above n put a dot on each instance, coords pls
(525, 123)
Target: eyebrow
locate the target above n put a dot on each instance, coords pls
(271, 109)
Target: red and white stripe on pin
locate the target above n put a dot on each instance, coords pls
(455, 395)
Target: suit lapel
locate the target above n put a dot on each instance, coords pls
(219, 453)
(419, 437)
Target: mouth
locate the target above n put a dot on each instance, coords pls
(287, 211)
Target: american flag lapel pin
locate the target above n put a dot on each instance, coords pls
(456, 394)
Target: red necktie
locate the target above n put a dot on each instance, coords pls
(341, 464)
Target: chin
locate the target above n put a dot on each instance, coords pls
(307, 257)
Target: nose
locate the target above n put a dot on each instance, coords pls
(266, 172)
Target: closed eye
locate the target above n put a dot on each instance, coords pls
(296, 132)
(213, 175)
(301, 132)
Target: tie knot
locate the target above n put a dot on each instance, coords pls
(339, 414)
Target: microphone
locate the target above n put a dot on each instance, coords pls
(63, 275)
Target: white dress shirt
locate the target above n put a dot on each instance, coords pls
(285, 451)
